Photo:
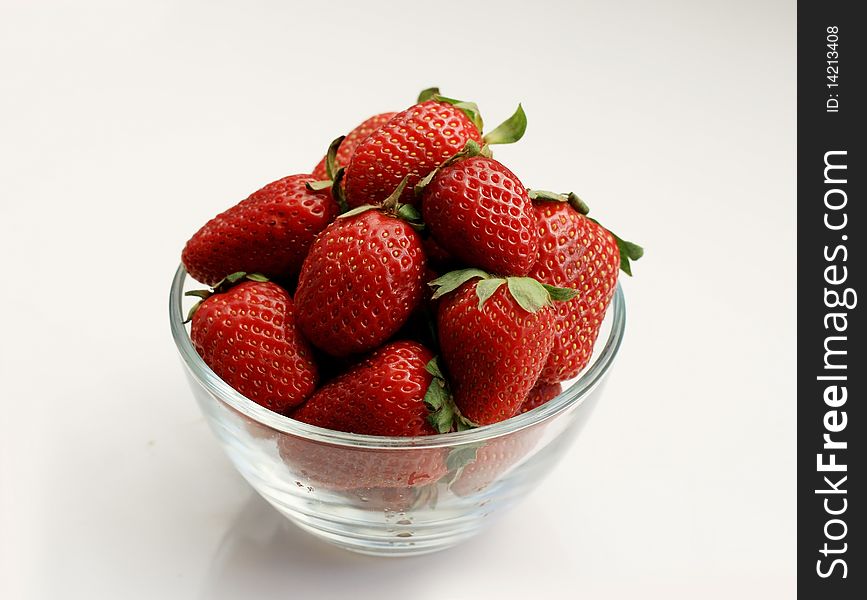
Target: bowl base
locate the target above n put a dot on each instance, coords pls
(397, 543)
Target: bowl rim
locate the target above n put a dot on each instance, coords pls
(220, 390)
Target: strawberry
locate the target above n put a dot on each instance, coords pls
(269, 232)
(416, 141)
(360, 282)
(539, 395)
(351, 141)
(340, 468)
(382, 395)
(575, 251)
(247, 335)
(491, 461)
(479, 212)
(495, 335)
(413, 143)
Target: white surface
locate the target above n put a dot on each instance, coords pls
(124, 126)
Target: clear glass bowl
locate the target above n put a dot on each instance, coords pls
(392, 496)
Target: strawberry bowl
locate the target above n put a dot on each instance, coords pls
(392, 496)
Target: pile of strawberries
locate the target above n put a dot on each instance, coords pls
(410, 285)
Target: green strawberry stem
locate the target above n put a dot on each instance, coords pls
(223, 285)
(407, 212)
(529, 293)
(445, 415)
(392, 201)
(629, 251)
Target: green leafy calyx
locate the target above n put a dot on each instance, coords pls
(428, 94)
(322, 184)
(486, 288)
(444, 414)
(530, 294)
(453, 280)
(560, 294)
(509, 131)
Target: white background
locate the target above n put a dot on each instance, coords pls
(123, 127)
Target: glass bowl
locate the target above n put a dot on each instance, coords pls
(392, 496)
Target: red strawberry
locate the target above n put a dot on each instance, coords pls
(539, 395)
(269, 232)
(493, 460)
(412, 143)
(382, 395)
(576, 252)
(416, 141)
(351, 141)
(495, 335)
(247, 335)
(362, 279)
(339, 468)
(479, 212)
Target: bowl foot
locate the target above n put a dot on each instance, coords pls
(397, 541)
